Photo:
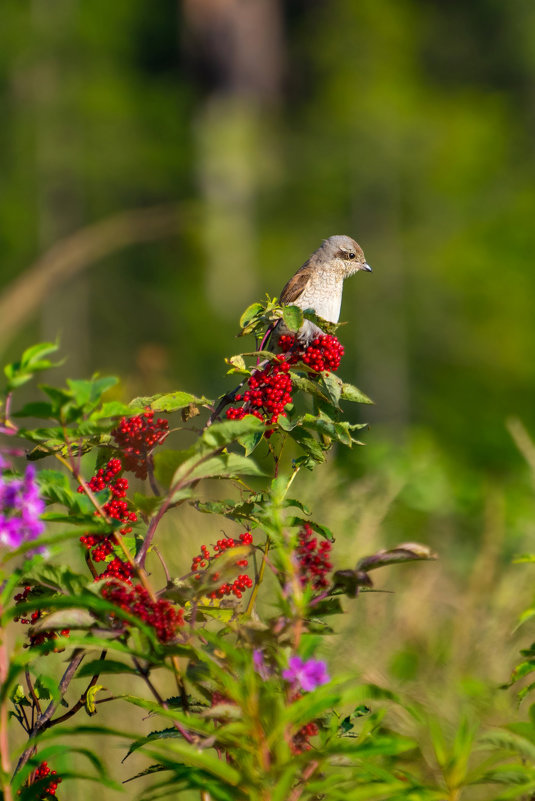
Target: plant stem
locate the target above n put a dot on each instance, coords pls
(43, 719)
(145, 675)
(81, 701)
(5, 765)
(258, 582)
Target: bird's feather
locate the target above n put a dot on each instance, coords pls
(297, 283)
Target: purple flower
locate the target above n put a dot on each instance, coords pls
(20, 509)
(308, 675)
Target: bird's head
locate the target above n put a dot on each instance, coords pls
(345, 255)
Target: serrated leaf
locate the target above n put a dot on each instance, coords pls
(222, 434)
(250, 441)
(249, 313)
(293, 317)
(168, 402)
(351, 393)
(309, 444)
(307, 385)
(90, 391)
(332, 387)
(112, 409)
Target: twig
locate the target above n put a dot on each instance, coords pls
(144, 673)
(81, 701)
(162, 562)
(307, 773)
(5, 765)
(32, 691)
(43, 719)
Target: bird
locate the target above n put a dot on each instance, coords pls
(317, 286)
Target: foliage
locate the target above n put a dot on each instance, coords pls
(254, 714)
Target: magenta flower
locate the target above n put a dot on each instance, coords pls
(20, 509)
(308, 675)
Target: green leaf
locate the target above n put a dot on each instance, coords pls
(222, 465)
(167, 462)
(196, 757)
(306, 385)
(147, 504)
(31, 361)
(112, 409)
(65, 619)
(99, 666)
(220, 434)
(332, 386)
(40, 409)
(249, 313)
(323, 531)
(168, 402)
(293, 317)
(309, 444)
(351, 393)
(89, 392)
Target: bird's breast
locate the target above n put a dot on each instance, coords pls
(324, 296)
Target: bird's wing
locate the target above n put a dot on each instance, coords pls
(296, 285)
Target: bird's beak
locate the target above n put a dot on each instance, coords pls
(366, 267)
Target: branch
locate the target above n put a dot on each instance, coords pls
(43, 719)
(81, 701)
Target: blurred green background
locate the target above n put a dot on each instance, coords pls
(266, 126)
(164, 164)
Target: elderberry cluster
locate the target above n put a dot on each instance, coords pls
(205, 558)
(324, 352)
(300, 742)
(136, 437)
(270, 389)
(116, 508)
(160, 614)
(42, 772)
(42, 636)
(313, 559)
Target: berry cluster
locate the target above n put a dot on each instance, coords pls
(270, 390)
(136, 437)
(116, 508)
(205, 558)
(301, 741)
(160, 614)
(324, 352)
(41, 773)
(42, 636)
(313, 559)
(118, 569)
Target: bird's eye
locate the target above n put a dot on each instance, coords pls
(352, 255)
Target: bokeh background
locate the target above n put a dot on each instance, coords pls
(166, 164)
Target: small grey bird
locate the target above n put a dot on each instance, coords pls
(318, 284)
